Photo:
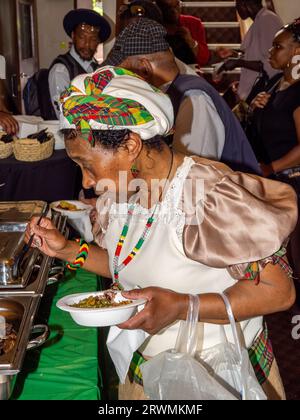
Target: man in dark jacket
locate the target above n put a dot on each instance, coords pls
(204, 124)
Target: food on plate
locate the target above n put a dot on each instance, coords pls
(107, 300)
(65, 205)
(8, 342)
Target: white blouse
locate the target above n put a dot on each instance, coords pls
(162, 262)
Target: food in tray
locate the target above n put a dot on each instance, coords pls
(8, 342)
(107, 300)
(65, 205)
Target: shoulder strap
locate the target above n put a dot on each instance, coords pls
(74, 68)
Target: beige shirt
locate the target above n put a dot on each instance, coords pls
(256, 45)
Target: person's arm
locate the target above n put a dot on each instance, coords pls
(59, 80)
(274, 293)
(51, 242)
(203, 53)
(233, 63)
(292, 158)
(199, 129)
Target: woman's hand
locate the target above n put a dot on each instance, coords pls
(230, 64)
(261, 100)
(224, 53)
(8, 123)
(162, 308)
(46, 237)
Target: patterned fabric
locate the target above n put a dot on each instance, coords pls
(115, 98)
(253, 269)
(135, 374)
(260, 354)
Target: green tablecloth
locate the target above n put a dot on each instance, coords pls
(66, 367)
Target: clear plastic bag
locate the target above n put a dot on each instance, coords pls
(223, 372)
(231, 365)
(176, 374)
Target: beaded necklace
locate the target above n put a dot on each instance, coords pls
(119, 267)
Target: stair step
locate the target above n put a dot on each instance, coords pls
(210, 70)
(209, 4)
(229, 46)
(221, 24)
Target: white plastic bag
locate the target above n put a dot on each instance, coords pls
(176, 374)
(223, 372)
(231, 364)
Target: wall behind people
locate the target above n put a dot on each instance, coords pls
(52, 39)
(287, 9)
(110, 11)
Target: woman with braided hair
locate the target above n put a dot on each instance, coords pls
(276, 121)
(169, 226)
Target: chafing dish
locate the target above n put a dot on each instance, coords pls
(16, 315)
(20, 297)
(13, 221)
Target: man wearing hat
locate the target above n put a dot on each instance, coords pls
(204, 124)
(87, 29)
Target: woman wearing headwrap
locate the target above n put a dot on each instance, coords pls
(205, 230)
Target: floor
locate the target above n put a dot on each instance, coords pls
(287, 348)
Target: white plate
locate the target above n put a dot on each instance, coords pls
(84, 209)
(98, 317)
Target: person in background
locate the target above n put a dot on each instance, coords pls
(229, 240)
(204, 124)
(7, 122)
(276, 121)
(87, 29)
(186, 34)
(131, 12)
(255, 46)
(137, 9)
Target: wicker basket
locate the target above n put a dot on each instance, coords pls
(31, 150)
(6, 149)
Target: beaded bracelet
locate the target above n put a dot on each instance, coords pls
(81, 256)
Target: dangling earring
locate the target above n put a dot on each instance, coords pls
(134, 170)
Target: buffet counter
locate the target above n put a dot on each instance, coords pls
(66, 367)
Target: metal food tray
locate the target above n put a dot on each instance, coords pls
(14, 212)
(14, 217)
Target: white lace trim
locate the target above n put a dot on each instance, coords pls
(167, 211)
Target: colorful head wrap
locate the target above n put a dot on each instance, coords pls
(115, 98)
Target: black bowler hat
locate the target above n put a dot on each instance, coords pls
(90, 17)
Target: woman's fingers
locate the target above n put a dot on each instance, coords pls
(9, 124)
(163, 307)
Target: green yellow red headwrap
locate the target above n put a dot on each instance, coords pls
(115, 98)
